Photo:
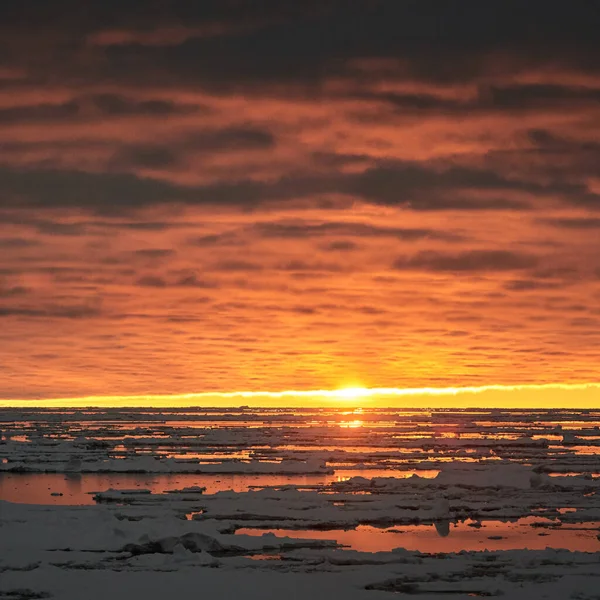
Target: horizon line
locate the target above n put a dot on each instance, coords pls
(344, 396)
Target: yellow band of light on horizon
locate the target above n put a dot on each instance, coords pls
(549, 395)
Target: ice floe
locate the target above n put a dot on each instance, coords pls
(428, 503)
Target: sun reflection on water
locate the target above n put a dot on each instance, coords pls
(352, 424)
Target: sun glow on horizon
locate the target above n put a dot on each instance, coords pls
(548, 395)
(352, 393)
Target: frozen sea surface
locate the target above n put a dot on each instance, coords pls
(315, 503)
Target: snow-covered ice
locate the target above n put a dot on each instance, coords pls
(306, 504)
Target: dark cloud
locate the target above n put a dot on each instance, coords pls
(142, 15)
(559, 272)
(489, 99)
(427, 189)
(229, 238)
(188, 280)
(57, 228)
(340, 246)
(436, 41)
(38, 113)
(142, 226)
(473, 260)
(176, 152)
(116, 105)
(299, 229)
(152, 281)
(35, 188)
(154, 253)
(238, 138)
(51, 312)
(331, 160)
(17, 290)
(191, 280)
(424, 187)
(146, 157)
(120, 193)
(303, 229)
(102, 105)
(299, 310)
(571, 158)
(414, 102)
(17, 242)
(410, 184)
(313, 267)
(371, 310)
(236, 265)
(574, 223)
(519, 97)
(48, 226)
(527, 285)
(548, 142)
(307, 42)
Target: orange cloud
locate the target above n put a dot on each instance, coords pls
(214, 203)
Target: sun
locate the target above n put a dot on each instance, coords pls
(351, 393)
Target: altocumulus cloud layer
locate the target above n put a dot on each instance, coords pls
(275, 195)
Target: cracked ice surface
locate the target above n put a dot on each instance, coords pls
(274, 503)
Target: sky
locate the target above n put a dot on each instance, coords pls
(279, 195)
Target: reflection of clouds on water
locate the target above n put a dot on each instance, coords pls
(442, 527)
(493, 536)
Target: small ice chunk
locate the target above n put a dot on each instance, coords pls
(442, 527)
(441, 508)
(73, 465)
